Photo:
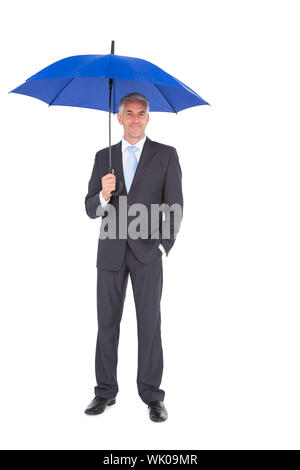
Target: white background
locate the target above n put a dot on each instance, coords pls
(230, 307)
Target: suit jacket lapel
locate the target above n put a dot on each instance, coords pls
(117, 164)
(143, 163)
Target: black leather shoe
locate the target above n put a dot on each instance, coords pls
(157, 411)
(98, 405)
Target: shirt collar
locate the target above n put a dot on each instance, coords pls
(139, 144)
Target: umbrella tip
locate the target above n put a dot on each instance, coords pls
(112, 50)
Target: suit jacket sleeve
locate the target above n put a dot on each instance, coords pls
(93, 205)
(172, 194)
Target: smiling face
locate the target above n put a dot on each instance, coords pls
(134, 119)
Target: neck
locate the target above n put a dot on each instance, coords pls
(133, 140)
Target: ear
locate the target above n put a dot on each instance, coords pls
(119, 118)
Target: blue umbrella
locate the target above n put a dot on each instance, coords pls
(100, 81)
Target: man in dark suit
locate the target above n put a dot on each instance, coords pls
(150, 176)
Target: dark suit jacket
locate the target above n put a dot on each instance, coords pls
(157, 180)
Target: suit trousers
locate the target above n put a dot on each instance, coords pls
(147, 283)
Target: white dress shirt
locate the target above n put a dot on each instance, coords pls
(125, 153)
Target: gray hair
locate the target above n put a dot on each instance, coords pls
(131, 97)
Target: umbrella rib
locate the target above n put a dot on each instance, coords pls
(61, 91)
(165, 98)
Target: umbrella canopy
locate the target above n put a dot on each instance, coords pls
(83, 81)
(100, 81)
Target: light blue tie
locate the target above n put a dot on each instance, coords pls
(130, 166)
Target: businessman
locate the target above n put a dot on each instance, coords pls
(150, 176)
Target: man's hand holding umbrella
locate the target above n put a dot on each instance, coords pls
(108, 184)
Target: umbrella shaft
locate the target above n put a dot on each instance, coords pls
(112, 51)
(109, 121)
